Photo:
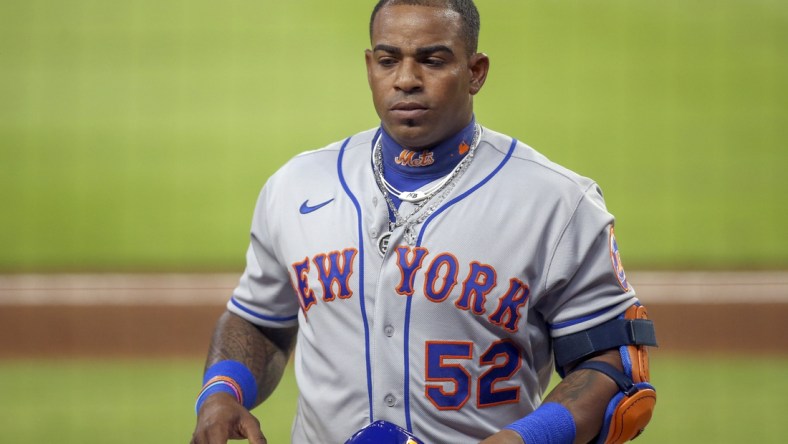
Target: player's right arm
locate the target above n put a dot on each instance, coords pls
(265, 352)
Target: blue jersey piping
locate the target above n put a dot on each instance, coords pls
(262, 316)
(361, 272)
(582, 319)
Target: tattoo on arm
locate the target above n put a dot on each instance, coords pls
(573, 388)
(265, 351)
(586, 394)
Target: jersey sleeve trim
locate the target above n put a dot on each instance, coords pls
(592, 320)
(580, 320)
(262, 316)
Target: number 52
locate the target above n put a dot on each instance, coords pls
(439, 372)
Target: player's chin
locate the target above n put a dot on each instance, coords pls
(413, 134)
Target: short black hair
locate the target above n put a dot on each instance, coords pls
(471, 23)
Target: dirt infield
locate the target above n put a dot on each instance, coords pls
(173, 315)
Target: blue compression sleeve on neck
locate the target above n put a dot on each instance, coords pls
(551, 423)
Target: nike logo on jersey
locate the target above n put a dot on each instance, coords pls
(306, 208)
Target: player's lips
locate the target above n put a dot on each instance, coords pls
(408, 110)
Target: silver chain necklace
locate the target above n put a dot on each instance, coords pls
(434, 196)
(417, 195)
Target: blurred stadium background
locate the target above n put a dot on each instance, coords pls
(135, 136)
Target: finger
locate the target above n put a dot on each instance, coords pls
(257, 438)
(201, 437)
(198, 437)
(214, 435)
(250, 429)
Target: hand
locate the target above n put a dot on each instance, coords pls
(504, 437)
(221, 418)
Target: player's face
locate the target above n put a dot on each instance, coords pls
(421, 76)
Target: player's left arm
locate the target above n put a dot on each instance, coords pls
(585, 394)
(605, 395)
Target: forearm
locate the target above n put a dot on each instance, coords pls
(264, 351)
(586, 394)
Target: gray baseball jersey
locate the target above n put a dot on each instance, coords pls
(449, 337)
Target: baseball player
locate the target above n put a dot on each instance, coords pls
(431, 274)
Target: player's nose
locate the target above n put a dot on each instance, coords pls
(408, 77)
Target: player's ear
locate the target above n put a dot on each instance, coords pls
(479, 65)
(368, 60)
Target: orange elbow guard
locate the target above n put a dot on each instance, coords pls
(629, 414)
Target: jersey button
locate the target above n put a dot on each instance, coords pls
(373, 232)
(388, 330)
(390, 400)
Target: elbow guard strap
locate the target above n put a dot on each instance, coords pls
(631, 328)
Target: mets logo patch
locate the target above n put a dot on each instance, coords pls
(615, 256)
(415, 159)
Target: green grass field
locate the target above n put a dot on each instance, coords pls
(136, 135)
(701, 400)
